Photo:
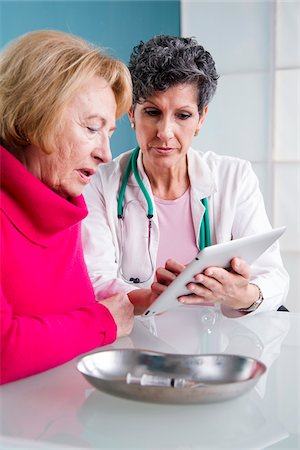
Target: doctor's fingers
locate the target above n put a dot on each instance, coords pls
(158, 288)
(174, 266)
(209, 291)
(240, 266)
(199, 294)
(165, 276)
(225, 286)
(206, 288)
(226, 277)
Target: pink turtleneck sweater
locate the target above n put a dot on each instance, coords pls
(48, 310)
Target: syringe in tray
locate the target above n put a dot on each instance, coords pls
(161, 381)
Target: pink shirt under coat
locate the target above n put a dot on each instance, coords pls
(176, 231)
(48, 310)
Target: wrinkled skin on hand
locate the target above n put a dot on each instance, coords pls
(122, 311)
(215, 285)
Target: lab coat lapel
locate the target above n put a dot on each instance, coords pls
(202, 186)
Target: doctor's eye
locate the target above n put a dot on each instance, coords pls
(152, 112)
(184, 115)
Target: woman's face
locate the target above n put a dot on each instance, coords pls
(165, 125)
(82, 141)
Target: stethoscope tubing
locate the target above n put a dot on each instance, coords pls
(204, 233)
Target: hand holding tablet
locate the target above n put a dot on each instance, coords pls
(248, 248)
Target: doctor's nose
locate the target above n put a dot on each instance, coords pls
(102, 152)
(165, 131)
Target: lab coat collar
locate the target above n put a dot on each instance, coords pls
(202, 183)
(200, 175)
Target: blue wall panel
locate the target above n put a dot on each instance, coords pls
(115, 25)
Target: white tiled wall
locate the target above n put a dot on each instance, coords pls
(288, 33)
(286, 150)
(256, 112)
(287, 114)
(228, 130)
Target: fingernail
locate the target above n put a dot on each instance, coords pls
(199, 278)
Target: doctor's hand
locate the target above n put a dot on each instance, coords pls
(229, 288)
(122, 311)
(215, 285)
(165, 276)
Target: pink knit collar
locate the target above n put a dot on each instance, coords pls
(38, 212)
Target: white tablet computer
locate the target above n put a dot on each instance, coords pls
(248, 248)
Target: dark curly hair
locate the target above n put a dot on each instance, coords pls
(166, 61)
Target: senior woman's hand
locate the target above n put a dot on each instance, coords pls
(215, 285)
(122, 311)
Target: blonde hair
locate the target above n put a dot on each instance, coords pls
(39, 74)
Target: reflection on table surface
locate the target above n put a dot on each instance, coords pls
(59, 408)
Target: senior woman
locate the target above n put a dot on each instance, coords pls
(59, 99)
(147, 207)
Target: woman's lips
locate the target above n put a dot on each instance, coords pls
(85, 174)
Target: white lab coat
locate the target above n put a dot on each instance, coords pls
(236, 209)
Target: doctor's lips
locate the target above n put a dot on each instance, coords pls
(163, 150)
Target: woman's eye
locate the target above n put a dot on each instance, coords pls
(93, 130)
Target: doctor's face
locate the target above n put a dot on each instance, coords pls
(82, 140)
(165, 125)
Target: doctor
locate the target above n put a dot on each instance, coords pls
(154, 207)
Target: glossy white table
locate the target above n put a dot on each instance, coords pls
(58, 409)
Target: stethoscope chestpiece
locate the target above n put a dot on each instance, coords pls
(134, 280)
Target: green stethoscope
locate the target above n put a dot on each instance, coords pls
(204, 234)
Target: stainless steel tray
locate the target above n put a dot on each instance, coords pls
(170, 378)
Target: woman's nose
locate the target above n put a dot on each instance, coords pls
(102, 152)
